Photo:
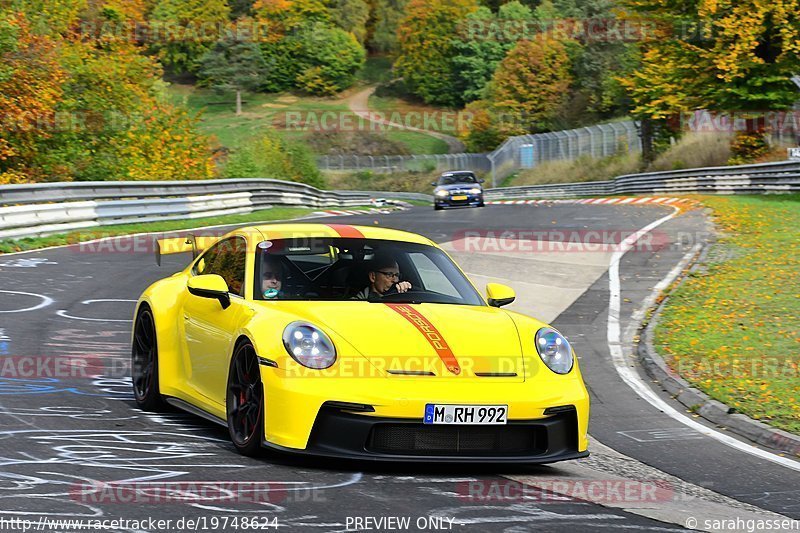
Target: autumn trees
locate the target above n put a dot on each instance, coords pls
(724, 56)
(75, 108)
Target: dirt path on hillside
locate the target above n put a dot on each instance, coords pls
(359, 104)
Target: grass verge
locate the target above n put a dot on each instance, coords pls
(732, 329)
(266, 215)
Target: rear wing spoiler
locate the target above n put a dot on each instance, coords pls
(180, 245)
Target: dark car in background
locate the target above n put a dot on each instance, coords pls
(457, 188)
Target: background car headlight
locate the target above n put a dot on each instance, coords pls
(475, 191)
(441, 193)
(309, 345)
(554, 350)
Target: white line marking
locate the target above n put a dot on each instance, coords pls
(107, 300)
(629, 375)
(44, 303)
(63, 313)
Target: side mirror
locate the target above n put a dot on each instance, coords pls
(481, 180)
(499, 295)
(433, 184)
(210, 286)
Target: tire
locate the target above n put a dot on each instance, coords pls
(437, 208)
(244, 401)
(144, 363)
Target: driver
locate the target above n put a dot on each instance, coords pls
(384, 273)
(271, 278)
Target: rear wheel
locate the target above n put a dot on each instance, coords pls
(144, 363)
(245, 401)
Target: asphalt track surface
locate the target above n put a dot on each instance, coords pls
(59, 436)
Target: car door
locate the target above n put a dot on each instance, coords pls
(209, 328)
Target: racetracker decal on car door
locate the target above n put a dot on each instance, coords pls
(431, 334)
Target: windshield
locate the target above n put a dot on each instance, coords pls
(458, 177)
(337, 269)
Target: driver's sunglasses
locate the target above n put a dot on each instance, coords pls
(393, 275)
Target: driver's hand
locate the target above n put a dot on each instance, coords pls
(403, 286)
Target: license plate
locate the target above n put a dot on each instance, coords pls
(466, 414)
(459, 197)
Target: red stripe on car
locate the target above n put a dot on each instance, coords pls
(432, 335)
(345, 231)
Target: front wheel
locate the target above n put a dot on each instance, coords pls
(144, 363)
(245, 401)
(437, 208)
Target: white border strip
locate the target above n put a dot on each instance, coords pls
(635, 382)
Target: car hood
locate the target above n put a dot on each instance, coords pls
(454, 341)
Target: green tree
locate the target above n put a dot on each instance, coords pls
(482, 44)
(386, 17)
(241, 8)
(233, 66)
(187, 29)
(331, 59)
(351, 16)
(426, 46)
(306, 50)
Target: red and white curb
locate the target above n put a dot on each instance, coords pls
(348, 212)
(636, 200)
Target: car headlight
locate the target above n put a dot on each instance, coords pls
(475, 191)
(554, 350)
(441, 193)
(309, 345)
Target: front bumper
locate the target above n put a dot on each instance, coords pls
(300, 419)
(448, 201)
(347, 435)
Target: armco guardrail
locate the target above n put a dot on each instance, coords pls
(47, 208)
(781, 177)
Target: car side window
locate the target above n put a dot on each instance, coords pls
(227, 259)
(432, 278)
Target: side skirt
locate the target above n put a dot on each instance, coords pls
(189, 408)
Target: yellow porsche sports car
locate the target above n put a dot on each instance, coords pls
(354, 342)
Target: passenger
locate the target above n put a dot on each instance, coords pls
(271, 278)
